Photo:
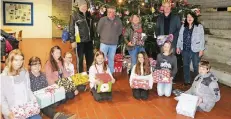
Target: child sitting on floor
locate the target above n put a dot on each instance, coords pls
(37, 82)
(141, 71)
(205, 86)
(68, 63)
(99, 66)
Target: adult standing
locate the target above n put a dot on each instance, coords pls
(133, 38)
(168, 23)
(82, 19)
(109, 29)
(191, 45)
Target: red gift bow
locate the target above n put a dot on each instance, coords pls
(51, 90)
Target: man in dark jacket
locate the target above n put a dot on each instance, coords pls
(168, 23)
(81, 20)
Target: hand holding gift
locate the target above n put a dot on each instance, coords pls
(11, 115)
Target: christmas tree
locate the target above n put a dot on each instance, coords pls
(147, 9)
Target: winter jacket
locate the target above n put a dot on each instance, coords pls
(206, 87)
(85, 25)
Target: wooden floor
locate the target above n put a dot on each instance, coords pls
(123, 106)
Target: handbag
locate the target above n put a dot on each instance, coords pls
(26, 110)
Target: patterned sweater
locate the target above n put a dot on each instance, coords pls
(38, 82)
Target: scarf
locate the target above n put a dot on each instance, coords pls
(137, 35)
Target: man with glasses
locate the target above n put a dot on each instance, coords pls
(109, 29)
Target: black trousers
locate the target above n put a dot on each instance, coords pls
(101, 96)
(49, 111)
(85, 48)
(69, 96)
(140, 94)
(81, 88)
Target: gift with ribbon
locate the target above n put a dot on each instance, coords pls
(118, 65)
(164, 38)
(26, 110)
(49, 95)
(162, 76)
(80, 79)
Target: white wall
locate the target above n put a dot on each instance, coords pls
(42, 27)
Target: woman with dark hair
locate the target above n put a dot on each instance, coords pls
(54, 70)
(54, 67)
(191, 44)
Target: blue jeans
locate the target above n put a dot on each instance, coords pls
(164, 89)
(133, 53)
(189, 56)
(35, 117)
(109, 52)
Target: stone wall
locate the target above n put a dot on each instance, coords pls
(61, 9)
(211, 3)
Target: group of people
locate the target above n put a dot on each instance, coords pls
(18, 84)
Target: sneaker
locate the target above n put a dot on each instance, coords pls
(60, 115)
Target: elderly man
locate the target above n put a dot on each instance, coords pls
(109, 29)
(84, 46)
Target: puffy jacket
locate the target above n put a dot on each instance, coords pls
(85, 24)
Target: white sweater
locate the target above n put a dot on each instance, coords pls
(93, 72)
(146, 77)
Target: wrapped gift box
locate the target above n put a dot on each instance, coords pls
(118, 65)
(163, 38)
(67, 83)
(80, 79)
(162, 76)
(187, 105)
(104, 87)
(49, 95)
(26, 110)
(139, 83)
(118, 57)
(104, 77)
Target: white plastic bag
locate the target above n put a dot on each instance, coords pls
(187, 105)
